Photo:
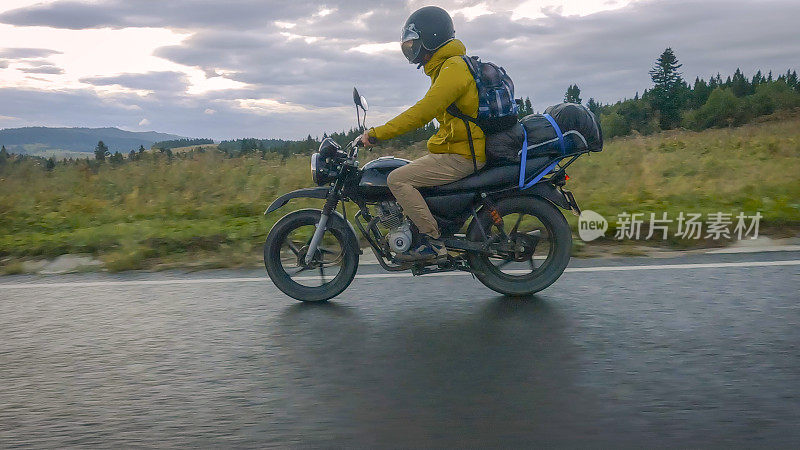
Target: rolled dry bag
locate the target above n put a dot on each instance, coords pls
(580, 129)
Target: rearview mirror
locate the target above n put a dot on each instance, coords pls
(359, 100)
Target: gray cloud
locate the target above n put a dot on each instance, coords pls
(246, 14)
(25, 53)
(3, 64)
(43, 69)
(607, 54)
(174, 82)
(83, 107)
(70, 15)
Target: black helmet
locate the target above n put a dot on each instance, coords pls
(426, 30)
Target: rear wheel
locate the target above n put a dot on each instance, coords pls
(331, 270)
(530, 252)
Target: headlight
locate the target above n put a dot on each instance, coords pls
(324, 168)
(315, 168)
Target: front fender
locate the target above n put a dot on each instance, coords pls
(315, 192)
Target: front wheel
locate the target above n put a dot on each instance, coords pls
(531, 251)
(331, 270)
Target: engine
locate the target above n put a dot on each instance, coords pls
(400, 236)
(390, 214)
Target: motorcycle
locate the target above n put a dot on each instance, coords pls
(516, 242)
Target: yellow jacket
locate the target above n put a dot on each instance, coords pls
(451, 81)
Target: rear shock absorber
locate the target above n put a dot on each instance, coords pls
(493, 213)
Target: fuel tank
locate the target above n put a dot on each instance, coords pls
(372, 184)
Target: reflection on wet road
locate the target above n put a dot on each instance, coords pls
(672, 357)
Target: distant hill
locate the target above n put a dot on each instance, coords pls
(38, 140)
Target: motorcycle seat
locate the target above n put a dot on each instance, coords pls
(489, 177)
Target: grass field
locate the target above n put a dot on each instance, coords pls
(206, 211)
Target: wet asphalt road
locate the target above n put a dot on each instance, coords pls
(677, 356)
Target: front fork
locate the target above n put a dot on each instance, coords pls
(330, 206)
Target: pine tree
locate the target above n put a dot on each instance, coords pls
(665, 74)
(758, 78)
(141, 150)
(50, 164)
(739, 84)
(101, 151)
(573, 94)
(666, 96)
(791, 79)
(132, 155)
(700, 92)
(593, 106)
(3, 155)
(525, 107)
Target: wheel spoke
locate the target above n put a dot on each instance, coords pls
(516, 225)
(293, 248)
(504, 263)
(532, 263)
(322, 274)
(300, 269)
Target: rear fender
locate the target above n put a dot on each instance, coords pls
(316, 192)
(544, 190)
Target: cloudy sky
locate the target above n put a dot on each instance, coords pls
(268, 68)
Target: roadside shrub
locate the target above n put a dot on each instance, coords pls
(614, 125)
(720, 110)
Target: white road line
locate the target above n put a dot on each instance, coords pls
(777, 248)
(83, 284)
(793, 262)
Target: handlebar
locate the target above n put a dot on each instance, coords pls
(357, 142)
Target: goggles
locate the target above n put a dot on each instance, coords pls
(411, 43)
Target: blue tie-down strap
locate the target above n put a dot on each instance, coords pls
(558, 133)
(524, 155)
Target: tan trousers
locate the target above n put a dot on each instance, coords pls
(434, 169)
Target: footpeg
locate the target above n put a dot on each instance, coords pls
(444, 264)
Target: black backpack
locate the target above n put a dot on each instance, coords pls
(497, 110)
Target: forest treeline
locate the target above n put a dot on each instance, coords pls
(671, 102)
(674, 103)
(250, 146)
(178, 143)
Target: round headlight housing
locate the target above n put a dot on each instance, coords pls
(325, 162)
(329, 148)
(316, 164)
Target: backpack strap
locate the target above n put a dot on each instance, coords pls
(472, 66)
(455, 112)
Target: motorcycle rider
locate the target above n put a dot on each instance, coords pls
(428, 40)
